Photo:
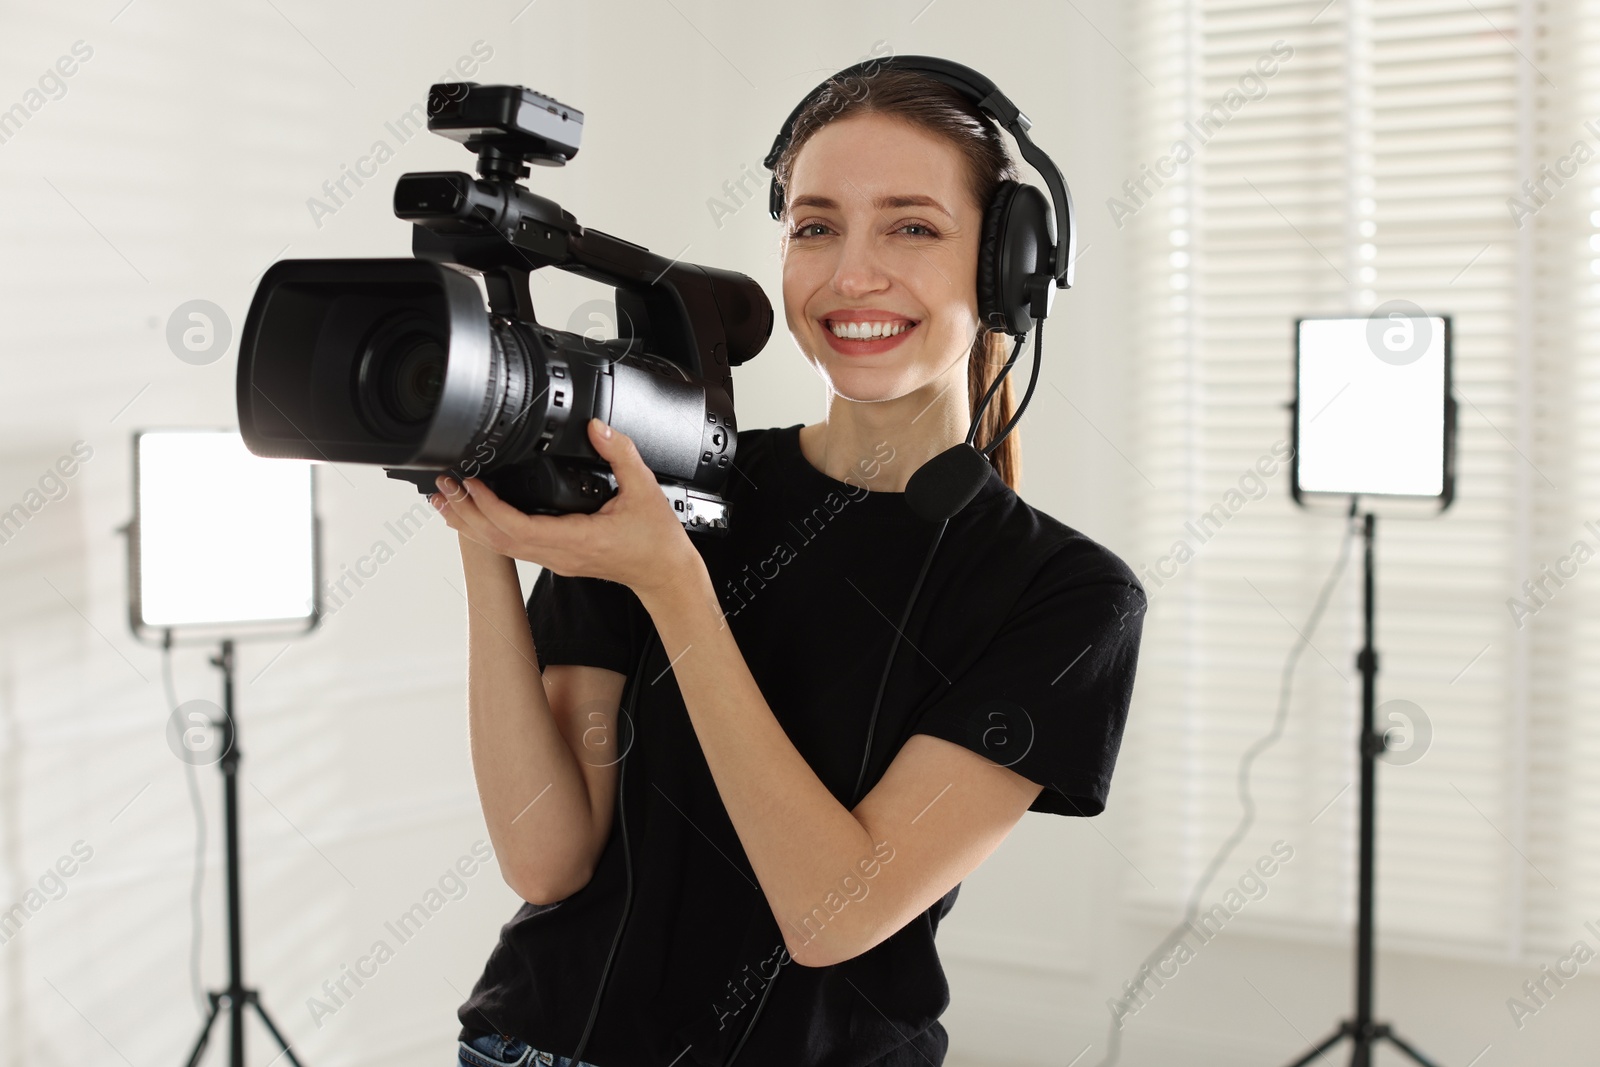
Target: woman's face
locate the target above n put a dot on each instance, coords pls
(882, 233)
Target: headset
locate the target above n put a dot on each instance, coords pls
(1021, 263)
(1018, 254)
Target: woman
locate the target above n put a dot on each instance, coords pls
(759, 893)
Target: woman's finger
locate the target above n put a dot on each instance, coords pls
(518, 525)
(453, 520)
(619, 450)
(472, 520)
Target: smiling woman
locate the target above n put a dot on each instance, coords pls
(886, 193)
(699, 776)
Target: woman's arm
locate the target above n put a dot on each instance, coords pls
(838, 881)
(548, 811)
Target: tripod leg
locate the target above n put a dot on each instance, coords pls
(287, 1052)
(1361, 1054)
(1408, 1050)
(1328, 1042)
(205, 1031)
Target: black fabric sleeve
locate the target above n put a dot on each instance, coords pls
(1049, 697)
(588, 621)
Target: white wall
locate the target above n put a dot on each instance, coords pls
(177, 166)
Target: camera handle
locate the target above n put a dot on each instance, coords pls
(509, 294)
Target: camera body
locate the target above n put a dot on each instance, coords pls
(396, 362)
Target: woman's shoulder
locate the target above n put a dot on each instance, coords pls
(759, 441)
(758, 437)
(1064, 555)
(755, 453)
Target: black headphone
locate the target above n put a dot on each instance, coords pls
(1020, 266)
(1018, 255)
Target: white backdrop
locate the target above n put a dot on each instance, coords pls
(187, 150)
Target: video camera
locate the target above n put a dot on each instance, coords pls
(395, 361)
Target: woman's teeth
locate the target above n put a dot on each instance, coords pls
(863, 331)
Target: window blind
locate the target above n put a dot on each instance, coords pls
(1309, 159)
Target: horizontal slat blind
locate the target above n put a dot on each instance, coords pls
(1373, 163)
(1564, 634)
(1222, 276)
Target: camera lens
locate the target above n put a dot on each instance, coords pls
(409, 382)
(400, 376)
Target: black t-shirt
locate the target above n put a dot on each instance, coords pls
(1028, 660)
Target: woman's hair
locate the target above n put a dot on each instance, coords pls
(930, 104)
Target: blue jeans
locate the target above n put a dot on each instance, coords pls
(498, 1050)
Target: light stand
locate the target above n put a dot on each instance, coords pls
(1362, 1030)
(202, 504)
(236, 995)
(1392, 435)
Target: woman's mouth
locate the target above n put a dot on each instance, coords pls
(852, 338)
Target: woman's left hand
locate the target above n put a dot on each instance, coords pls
(634, 538)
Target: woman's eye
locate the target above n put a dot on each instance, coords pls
(801, 232)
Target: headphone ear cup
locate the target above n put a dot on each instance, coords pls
(1015, 245)
(991, 242)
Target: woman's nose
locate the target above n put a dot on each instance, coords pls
(858, 269)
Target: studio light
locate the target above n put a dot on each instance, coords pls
(1373, 411)
(222, 546)
(1373, 416)
(222, 542)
